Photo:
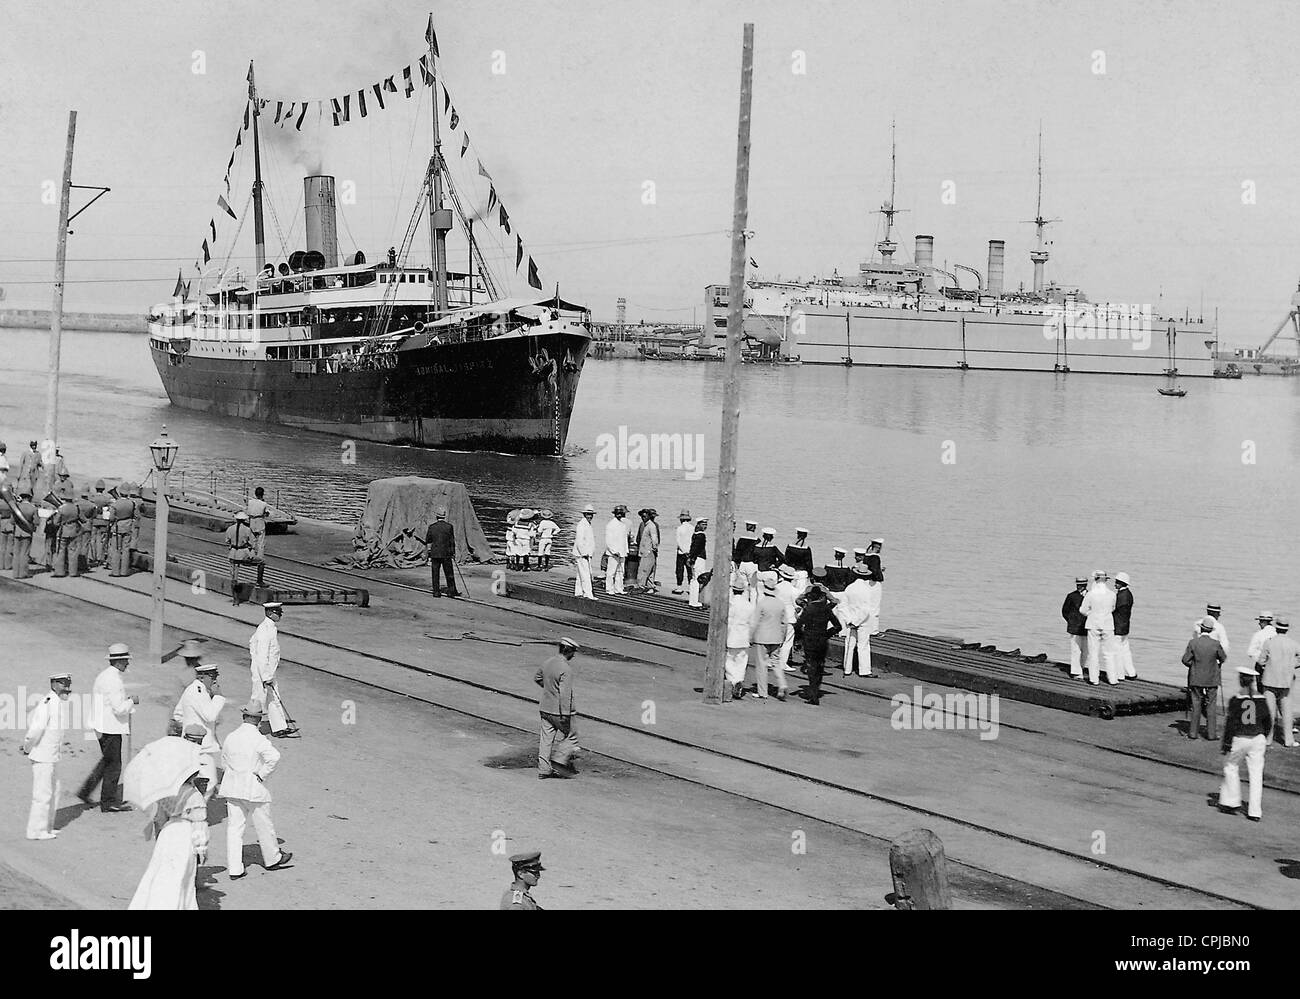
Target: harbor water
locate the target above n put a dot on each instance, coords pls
(992, 489)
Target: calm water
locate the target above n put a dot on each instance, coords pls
(1053, 476)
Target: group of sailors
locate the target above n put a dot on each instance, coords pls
(761, 572)
(45, 520)
(235, 769)
(529, 535)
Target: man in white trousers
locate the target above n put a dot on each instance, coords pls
(740, 621)
(264, 649)
(786, 593)
(854, 612)
(698, 556)
(249, 759)
(1074, 626)
(616, 549)
(584, 548)
(43, 745)
(1098, 610)
(199, 706)
(1245, 737)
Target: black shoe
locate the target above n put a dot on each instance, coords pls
(120, 806)
(546, 776)
(285, 857)
(236, 877)
(436, 596)
(454, 595)
(85, 799)
(1255, 818)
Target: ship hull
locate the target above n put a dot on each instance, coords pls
(513, 394)
(884, 337)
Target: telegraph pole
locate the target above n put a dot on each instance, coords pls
(720, 593)
(56, 313)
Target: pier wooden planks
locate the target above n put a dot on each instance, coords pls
(929, 658)
(286, 587)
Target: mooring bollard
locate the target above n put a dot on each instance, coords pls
(920, 871)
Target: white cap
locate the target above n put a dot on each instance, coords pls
(1122, 577)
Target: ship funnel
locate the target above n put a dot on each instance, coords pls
(997, 263)
(318, 214)
(925, 261)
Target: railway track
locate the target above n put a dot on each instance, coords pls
(853, 792)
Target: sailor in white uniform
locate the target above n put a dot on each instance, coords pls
(616, 549)
(264, 649)
(249, 759)
(43, 745)
(199, 706)
(584, 549)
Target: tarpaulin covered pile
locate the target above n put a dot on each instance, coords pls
(398, 513)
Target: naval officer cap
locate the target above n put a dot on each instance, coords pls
(207, 668)
(194, 732)
(253, 709)
(61, 676)
(530, 858)
(840, 552)
(569, 643)
(858, 551)
(877, 541)
(801, 530)
(273, 605)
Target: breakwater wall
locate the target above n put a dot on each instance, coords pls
(93, 322)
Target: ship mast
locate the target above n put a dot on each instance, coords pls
(439, 217)
(887, 246)
(1039, 255)
(259, 233)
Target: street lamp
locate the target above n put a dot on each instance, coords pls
(164, 451)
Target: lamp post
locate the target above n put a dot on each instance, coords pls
(164, 451)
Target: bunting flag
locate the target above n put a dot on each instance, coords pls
(406, 79)
(212, 224)
(389, 85)
(492, 198)
(239, 139)
(431, 38)
(426, 77)
(379, 95)
(455, 119)
(533, 279)
(185, 292)
(227, 183)
(230, 164)
(482, 172)
(342, 112)
(207, 256)
(180, 283)
(246, 109)
(279, 108)
(519, 251)
(464, 146)
(361, 102)
(753, 262)
(301, 116)
(446, 99)
(505, 219)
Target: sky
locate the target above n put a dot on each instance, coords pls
(1168, 151)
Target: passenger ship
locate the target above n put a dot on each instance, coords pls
(390, 351)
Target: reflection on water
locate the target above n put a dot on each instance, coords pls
(1047, 476)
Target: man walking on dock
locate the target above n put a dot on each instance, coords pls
(110, 717)
(1074, 626)
(249, 760)
(1245, 736)
(1277, 665)
(584, 547)
(1098, 609)
(1204, 657)
(1123, 616)
(264, 651)
(740, 629)
(616, 548)
(770, 618)
(239, 542)
(816, 624)
(441, 541)
(558, 740)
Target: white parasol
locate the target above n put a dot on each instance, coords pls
(159, 770)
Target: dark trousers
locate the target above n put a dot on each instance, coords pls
(109, 770)
(1209, 697)
(448, 568)
(815, 666)
(685, 568)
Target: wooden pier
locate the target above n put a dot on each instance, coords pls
(286, 587)
(951, 662)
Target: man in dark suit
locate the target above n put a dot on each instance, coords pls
(1123, 615)
(817, 623)
(441, 539)
(1074, 626)
(1204, 659)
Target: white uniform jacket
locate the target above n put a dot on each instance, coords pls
(198, 707)
(44, 741)
(584, 539)
(1218, 634)
(616, 537)
(854, 604)
(264, 648)
(685, 531)
(1099, 608)
(740, 620)
(110, 708)
(1257, 642)
(249, 759)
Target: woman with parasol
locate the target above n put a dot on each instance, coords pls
(164, 779)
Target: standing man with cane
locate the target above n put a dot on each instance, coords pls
(441, 540)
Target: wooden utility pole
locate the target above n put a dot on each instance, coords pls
(725, 525)
(56, 313)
